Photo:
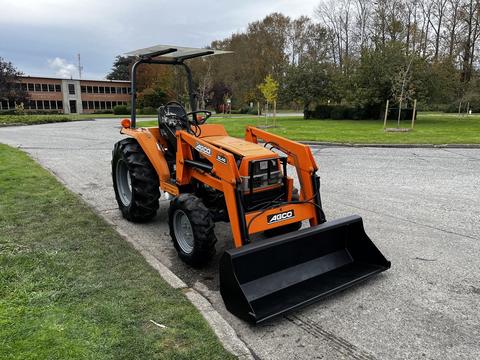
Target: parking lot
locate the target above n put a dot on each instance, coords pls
(420, 206)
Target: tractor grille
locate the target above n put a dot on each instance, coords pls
(262, 174)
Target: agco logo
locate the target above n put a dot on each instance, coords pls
(280, 217)
(203, 149)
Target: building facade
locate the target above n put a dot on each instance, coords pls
(71, 96)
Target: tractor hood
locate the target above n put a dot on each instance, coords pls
(240, 147)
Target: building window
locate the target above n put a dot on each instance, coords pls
(95, 89)
(129, 90)
(102, 90)
(109, 104)
(71, 89)
(119, 90)
(39, 104)
(38, 87)
(84, 105)
(83, 88)
(97, 105)
(89, 89)
(51, 87)
(46, 104)
(53, 105)
(32, 105)
(24, 87)
(90, 105)
(58, 88)
(59, 105)
(124, 90)
(112, 90)
(44, 87)
(107, 90)
(31, 87)
(102, 105)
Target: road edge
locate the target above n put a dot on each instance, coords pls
(406, 146)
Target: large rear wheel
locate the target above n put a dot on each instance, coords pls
(135, 181)
(192, 229)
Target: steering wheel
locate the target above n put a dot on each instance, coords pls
(203, 119)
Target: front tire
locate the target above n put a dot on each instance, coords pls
(135, 181)
(192, 229)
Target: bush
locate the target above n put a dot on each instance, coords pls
(148, 110)
(452, 108)
(343, 112)
(121, 110)
(8, 112)
(103, 112)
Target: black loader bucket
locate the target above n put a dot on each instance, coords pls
(269, 277)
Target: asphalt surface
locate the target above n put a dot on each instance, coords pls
(421, 207)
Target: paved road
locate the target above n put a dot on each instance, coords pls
(420, 206)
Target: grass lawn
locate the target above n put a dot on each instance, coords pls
(71, 287)
(10, 120)
(430, 128)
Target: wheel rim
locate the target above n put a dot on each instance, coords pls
(124, 183)
(183, 231)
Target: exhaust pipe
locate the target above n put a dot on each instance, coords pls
(270, 277)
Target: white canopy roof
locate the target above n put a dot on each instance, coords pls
(171, 52)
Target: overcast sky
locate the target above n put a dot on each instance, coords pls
(43, 37)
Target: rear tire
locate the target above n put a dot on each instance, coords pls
(192, 229)
(286, 228)
(135, 181)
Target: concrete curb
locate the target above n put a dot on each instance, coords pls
(407, 146)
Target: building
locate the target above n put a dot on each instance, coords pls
(71, 96)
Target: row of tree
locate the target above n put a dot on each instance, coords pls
(353, 52)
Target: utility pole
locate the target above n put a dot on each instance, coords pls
(80, 67)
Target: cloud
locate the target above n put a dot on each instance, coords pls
(32, 31)
(63, 68)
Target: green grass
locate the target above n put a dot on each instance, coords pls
(72, 288)
(430, 128)
(11, 120)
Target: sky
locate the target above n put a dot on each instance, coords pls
(43, 37)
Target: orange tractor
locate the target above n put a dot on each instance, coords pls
(214, 177)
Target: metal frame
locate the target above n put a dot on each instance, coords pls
(152, 58)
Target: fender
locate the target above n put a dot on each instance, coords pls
(154, 153)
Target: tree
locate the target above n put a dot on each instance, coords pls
(217, 93)
(269, 90)
(306, 83)
(120, 69)
(152, 97)
(9, 83)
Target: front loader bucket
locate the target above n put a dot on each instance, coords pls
(269, 277)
